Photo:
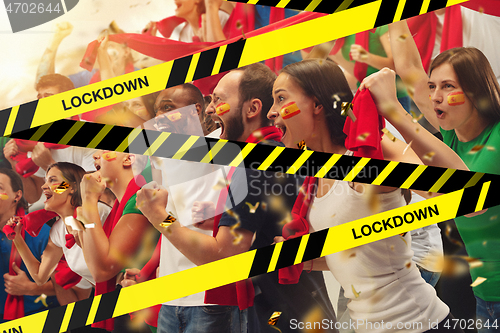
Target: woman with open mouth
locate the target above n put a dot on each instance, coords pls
(461, 99)
(383, 284)
(62, 189)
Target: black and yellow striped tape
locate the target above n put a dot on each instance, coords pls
(260, 261)
(254, 156)
(209, 62)
(389, 11)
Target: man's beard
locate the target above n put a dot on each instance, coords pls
(234, 127)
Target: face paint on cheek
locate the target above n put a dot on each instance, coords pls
(289, 110)
(109, 156)
(174, 116)
(60, 188)
(456, 98)
(222, 108)
(4, 196)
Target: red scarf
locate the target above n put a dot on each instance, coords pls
(240, 293)
(299, 226)
(423, 29)
(365, 134)
(25, 166)
(32, 223)
(14, 305)
(489, 7)
(114, 216)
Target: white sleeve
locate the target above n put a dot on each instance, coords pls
(104, 211)
(57, 233)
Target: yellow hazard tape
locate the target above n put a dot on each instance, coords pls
(241, 53)
(242, 266)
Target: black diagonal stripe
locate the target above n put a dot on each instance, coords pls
(428, 178)
(357, 3)
(107, 305)
(371, 171)
(85, 135)
(114, 138)
(271, 3)
(343, 166)
(228, 153)
(386, 12)
(412, 8)
(285, 160)
(26, 134)
(436, 4)
(258, 155)
(57, 131)
(232, 56)
(315, 245)
(4, 118)
(288, 253)
(493, 195)
(25, 116)
(142, 142)
(197, 151)
(205, 63)
(298, 4)
(469, 200)
(457, 181)
(398, 176)
(171, 145)
(261, 261)
(54, 319)
(313, 164)
(179, 71)
(489, 177)
(80, 314)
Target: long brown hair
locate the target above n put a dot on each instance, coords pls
(476, 78)
(323, 79)
(73, 175)
(16, 183)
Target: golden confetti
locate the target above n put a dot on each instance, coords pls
(392, 247)
(363, 136)
(363, 54)
(451, 239)
(402, 38)
(59, 189)
(321, 51)
(475, 149)
(302, 145)
(347, 111)
(42, 298)
(137, 321)
(372, 199)
(4, 196)
(389, 134)
(273, 320)
(252, 208)
(264, 206)
(356, 294)
(352, 255)
(490, 148)
(404, 240)
(221, 184)
(478, 281)
(481, 10)
(416, 118)
(333, 215)
(407, 147)
(408, 264)
(493, 218)
(429, 156)
(287, 219)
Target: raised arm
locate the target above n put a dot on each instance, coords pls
(105, 257)
(47, 63)
(409, 67)
(358, 53)
(39, 271)
(214, 29)
(429, 149)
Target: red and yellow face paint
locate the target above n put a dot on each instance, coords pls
(4, 196)
(222, 108)
(109, 156)
(289, 110)
(456, 98)
(174, 116)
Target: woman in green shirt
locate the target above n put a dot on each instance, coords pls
(461, 98)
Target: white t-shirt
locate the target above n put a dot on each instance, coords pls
(184, 33)
(375, 276)
(426, 242)
(76, 155)
(74, 256)
(186, 182)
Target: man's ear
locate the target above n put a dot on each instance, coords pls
(199, 110)
(254, 108)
